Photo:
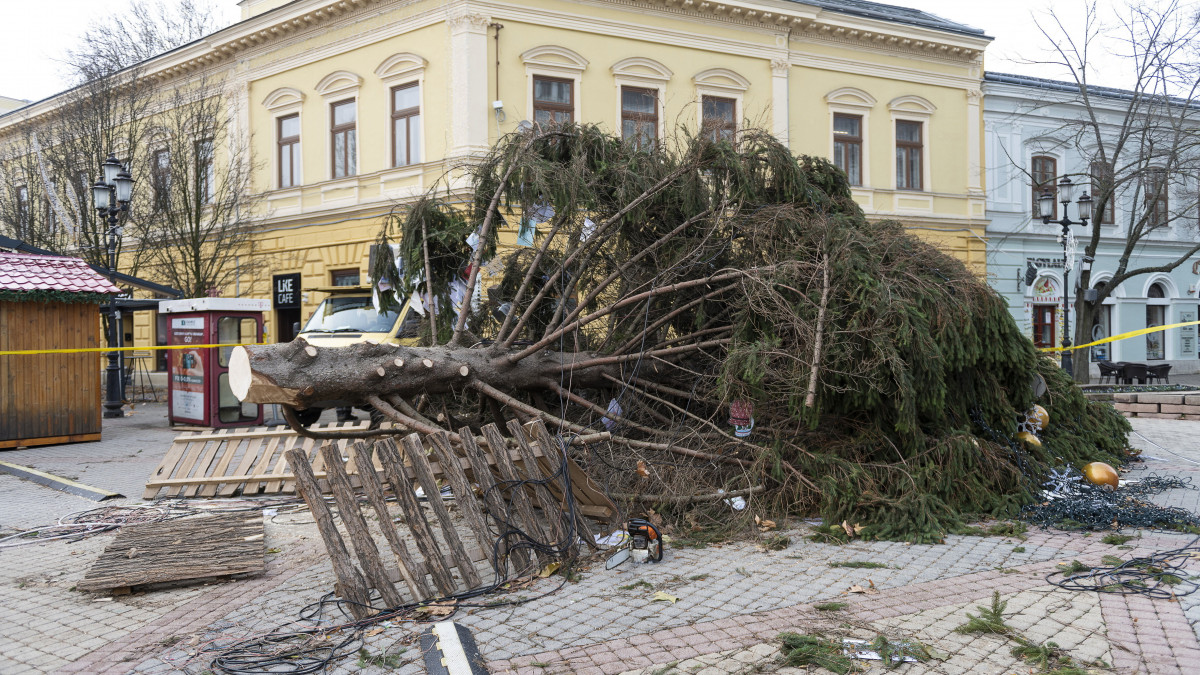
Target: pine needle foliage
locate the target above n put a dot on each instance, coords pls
(885, 378)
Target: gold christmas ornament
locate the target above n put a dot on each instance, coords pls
(1039, 417)
(1029, 439)
(1099, 473)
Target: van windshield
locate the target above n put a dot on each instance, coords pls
(353, 314)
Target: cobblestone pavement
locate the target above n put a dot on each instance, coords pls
(732, 600)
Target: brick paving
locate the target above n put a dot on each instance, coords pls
(732, 600)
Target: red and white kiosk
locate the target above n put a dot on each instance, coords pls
(199, 390)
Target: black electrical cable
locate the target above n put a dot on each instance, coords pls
(1160, 576)
(1072, 503)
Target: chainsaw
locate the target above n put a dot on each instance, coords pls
(643, 542)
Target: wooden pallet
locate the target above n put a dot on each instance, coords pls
(219, 545)
(227, 462)
(447, 550)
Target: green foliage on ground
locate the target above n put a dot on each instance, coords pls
(919, 370)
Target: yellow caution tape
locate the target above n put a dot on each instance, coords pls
(107, 350)
(1122, 336)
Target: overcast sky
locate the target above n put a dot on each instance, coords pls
(34, 35)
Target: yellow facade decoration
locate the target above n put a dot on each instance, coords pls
(469, 69)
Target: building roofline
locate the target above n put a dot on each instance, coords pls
(895, 14)
(1073, 88)
(958, 41)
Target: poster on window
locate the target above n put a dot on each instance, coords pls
(187, 372)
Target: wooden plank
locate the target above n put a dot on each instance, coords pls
(179, 550)
(263, 464)
(301, 444)
(253, 445)
(549, 445)
(167, 466)
(373, 489)
(586, 492)
(356, 525)
(352, 584)
(551, 508)
(493, 502)
(50, 440)
(464, 496)
(415, 450)
(526, 521)
(204, 463)
(402, 487)
(221, 463)
(184, 468)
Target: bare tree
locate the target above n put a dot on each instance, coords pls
(56, 156)
(195, 224)
(1142, 145)
(122, 41)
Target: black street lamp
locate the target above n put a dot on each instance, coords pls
(1066, 191)
(111, 197)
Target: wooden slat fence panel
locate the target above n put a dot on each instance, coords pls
(448, 547)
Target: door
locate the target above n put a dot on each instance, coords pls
(1043, 325)
(234, 330)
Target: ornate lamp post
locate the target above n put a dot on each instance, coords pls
(111, 197)
(1066, 191)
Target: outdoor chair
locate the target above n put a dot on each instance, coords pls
(1109, 370)
(1133, 371)
(1159, 373)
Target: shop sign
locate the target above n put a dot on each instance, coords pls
(1046, 291)
(287, 291)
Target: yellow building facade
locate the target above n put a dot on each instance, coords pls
(353, 106)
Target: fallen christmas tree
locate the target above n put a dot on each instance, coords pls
(734, 320)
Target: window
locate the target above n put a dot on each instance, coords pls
(1156, 198)
(553, 101)
(639, 116)
(345, 144)
(1156, 315)
(1102, 185)
(160, 340)
(1101, 328)
(160, 179)
(719, 117)
(344, 277)
(406, 124)
(847, 146)
(1043, 325)
(22, 210)
(204, 170)
(288, 133)
(909, 149)
(1043, 171)
(49, 216)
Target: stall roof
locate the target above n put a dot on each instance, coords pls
(137, 282)
(24, 272)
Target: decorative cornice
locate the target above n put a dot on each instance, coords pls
(802, 22)
(468, 21)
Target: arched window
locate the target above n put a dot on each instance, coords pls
(1156, 315)
(1102, 327)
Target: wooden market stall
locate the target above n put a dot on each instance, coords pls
(49, 302)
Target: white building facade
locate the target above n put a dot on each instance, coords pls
(1031, 137)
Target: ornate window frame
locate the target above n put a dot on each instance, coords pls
(855, 102)
(912, 108)
(554, 62)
